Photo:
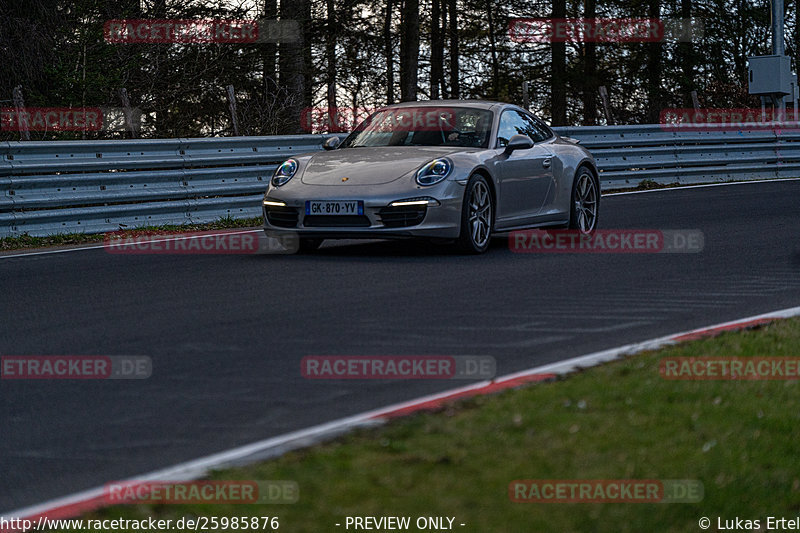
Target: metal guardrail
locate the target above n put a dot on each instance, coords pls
(95, 186)
(626, 155)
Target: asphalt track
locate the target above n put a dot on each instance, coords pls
(226, 332)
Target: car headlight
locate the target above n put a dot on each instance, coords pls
(434, 171)
(284, 172)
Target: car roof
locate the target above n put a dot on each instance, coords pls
(481, 104)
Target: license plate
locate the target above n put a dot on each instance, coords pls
(324, 207)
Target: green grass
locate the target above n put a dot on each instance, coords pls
(68, 239)
(648, 184)
(617, 421)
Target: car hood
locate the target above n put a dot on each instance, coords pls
(369, 165)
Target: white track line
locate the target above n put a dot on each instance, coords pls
(81, 502)
(176, 237)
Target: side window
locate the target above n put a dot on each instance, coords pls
(513, 122)
(533, 130)
(544, 128)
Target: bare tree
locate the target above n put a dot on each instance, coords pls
(409, 50)
(437, 49)
(388, 51)
(590, 84)
(654, 67)
(455, 87)
(269, 54)
(558, 75)
(685, 57)
(266, 114)
(493, 49)
(330, 58)
(293, 61)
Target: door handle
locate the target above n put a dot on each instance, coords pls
(546, 163)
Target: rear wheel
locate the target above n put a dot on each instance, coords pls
(477, 216)
(585, 201)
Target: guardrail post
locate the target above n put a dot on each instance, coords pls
(22, 120)
(606, 108)
(126, 104)
(232, 107)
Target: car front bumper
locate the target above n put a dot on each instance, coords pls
(442, 219)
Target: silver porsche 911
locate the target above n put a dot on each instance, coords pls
(458, 170)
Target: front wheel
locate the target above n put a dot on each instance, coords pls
(477, 216)
(585, 201)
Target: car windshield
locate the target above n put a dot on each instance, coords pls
(424, 126)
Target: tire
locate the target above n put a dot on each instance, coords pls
(306, 244)
(585, 201)
(477, 217)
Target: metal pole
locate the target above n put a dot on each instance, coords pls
(777, 28)
(526, 103)
(778, 47)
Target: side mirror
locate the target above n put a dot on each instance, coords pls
(518, 142)
(331, 143)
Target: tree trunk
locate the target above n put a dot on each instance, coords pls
(409, 50)
(158, 62)
(269, 53)
(558, 76)
(330, 60)
(445, 88)
(685, 55)
(308, 58)
(292, 63)
(740, 57)
(437, 49)
(654, 67)
(452, 9)
(796, 33)
(388, 52)
(493, 48)
(590, 83)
